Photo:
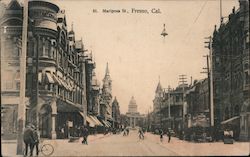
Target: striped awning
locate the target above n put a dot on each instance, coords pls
(49, 78)
(107, 124)
(97, 121)
(56, 79)
(90, 121)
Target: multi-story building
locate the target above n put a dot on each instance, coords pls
(56, 72)
(95, 94)
(134, 118)
(197, 97)
(198, 115)
(157, 106)
(173, 109)
(231, 72)
(106, 97)
(116, 115)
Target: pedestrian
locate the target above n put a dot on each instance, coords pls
(127, 131)
(36, 135)
(161, 135)
(85, 134)
(169, 135)
(141, 136)
(28, 139)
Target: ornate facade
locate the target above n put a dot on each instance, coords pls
(116, 115)
(56, 72)
(231, 71)
(157, 106)
(133, 116)
(106, 96)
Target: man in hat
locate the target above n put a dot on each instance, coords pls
(28, 139)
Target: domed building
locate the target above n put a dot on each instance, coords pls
(134, 117)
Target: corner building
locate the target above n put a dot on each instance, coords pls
(231, 72)
(55, 70)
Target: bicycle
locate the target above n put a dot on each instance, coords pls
(46, 149)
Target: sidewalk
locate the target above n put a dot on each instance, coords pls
(8, 147)
(186, 148)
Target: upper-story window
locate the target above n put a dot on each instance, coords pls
(60, 58)
(46, 48)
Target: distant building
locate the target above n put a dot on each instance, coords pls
(197, 98)
(95, 95)
(164, 117)
(231, 72)
(116, 115)
(106, 97)
(133, 116)
(157, 106)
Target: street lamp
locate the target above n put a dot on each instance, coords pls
(164, 33)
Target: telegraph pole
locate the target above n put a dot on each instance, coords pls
(169, 113)
(183, 81)
(209, 89)
(22, 105)
(210, 72)
(221, 18)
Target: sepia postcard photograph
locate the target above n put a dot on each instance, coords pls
(124, 78)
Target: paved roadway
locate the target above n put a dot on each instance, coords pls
(118, 145)
(114, 145)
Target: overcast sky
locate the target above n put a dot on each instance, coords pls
(132, 45)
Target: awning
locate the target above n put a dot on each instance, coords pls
(71, 88)
(90, 121)
(64, 84)
(109, 123)
(106, 123)
(96, 121)
(230, 120)
(81, 113)
(56, 79)
(49, 78)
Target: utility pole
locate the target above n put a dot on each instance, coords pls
(208, 77)
(183, 81)
(210, 72)
(37, 81)
(169, 113)
(22, 105)
(221, 18)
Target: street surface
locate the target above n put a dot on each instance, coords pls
(118, 145)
